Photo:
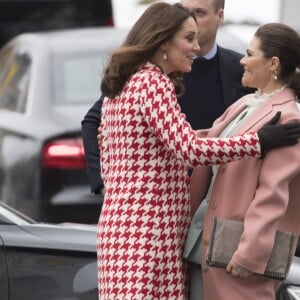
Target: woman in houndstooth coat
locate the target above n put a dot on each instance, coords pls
(146, 146)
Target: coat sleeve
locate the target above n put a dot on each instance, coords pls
(278, 171)
(203, 174)
(162, 113)
(89, 131)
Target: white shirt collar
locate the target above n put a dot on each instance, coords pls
(211, 53)
(258, 97)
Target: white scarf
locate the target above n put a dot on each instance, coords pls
(254, 100)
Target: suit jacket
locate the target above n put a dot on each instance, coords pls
(263, 193)
(89, 131)
(200, 111)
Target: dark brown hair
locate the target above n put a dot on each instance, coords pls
(277, 39)
(218, 4)
(158, 24)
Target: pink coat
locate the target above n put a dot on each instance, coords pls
(263, 193)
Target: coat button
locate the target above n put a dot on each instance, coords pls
(222, 168)
(213, 204)
(205, 242)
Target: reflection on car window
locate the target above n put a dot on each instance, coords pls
(14, 77)
(8, 215)
(77, 78)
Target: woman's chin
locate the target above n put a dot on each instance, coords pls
(188, 69)
(245, 82)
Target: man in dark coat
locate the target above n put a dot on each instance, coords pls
(215, 80)
(213, 84)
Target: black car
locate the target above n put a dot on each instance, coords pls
(58, 262)
(48, 81)
(46, 262)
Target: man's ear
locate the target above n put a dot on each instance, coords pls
(220, 14)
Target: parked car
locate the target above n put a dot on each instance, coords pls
(290, 289)
(44, 261)
(58, 262)
(36, 15)
(48, 81)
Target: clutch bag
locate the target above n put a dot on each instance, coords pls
(224, 241)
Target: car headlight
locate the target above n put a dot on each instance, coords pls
(293, 292)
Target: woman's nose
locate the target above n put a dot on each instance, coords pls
(197, 47)
(242, 61)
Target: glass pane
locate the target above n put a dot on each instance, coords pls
(14, 81)
(77, 78)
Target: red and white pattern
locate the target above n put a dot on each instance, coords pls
(146, 147)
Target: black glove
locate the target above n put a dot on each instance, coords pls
(273, 135)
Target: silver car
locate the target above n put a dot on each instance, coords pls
(48, 80)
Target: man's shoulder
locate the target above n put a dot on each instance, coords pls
(226, 52)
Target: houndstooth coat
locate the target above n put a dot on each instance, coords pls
(146, 146)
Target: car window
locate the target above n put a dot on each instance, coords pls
(8, 215)
(77, 77)
(14, 77)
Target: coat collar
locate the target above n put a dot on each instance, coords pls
(266, 111)
(258, 118)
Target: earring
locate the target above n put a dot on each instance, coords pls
(165, 57)
(274, 75)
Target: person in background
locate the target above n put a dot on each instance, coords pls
(89, 132)
(213, 84)
(262, 193)
(216, 73)
(146, 145)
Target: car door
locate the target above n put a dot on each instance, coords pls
(16, 140)
(3, 272)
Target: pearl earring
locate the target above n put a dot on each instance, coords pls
(165, 57)
(274, 75)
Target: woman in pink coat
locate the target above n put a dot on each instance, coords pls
(262, 193)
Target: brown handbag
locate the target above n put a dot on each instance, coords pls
(224, 241)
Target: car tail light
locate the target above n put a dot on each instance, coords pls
(64, 153)
(110, 22)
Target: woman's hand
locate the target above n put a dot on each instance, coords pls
(273, 135)
(238, 271)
